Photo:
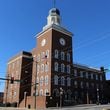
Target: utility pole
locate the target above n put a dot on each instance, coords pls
(35, 85)
(61, 93)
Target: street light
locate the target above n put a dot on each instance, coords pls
(61, 93)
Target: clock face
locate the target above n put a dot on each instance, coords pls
(62, 41)
(43, 42)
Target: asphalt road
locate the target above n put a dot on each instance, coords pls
(80, 107)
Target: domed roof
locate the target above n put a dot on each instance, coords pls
(54, 11)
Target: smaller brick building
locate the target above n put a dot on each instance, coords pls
(20, 68)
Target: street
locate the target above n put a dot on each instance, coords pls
(79, 107)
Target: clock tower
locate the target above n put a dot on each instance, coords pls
(54, 61)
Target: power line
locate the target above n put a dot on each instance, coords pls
(89, 42)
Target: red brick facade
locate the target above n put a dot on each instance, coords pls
(47, 73)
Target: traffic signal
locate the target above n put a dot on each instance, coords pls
(12, 80)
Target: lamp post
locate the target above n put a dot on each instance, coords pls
(61, 93)
(97, 96)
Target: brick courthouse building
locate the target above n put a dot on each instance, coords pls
(47, 74)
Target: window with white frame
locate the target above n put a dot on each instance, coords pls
(62, 81)
(38, 68)
(92, 76)
(87, 75)
(56, 66)
(47, 67)
(75, 72)
(47, 53)
(68, 68)
(68, 81)
(101, 77)
(68, 57)
(55, 80)
(46, 80)
(81, 74)
(42, 56)
(62, 56)
(38, 58)
(62, 67)
(56, 53)
(41, 92)
(96, 77)
(42, 67)
(41, 80)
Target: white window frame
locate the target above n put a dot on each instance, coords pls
(68, 81)
(56, 80)
(62, 68)
(68, 57)
(62, 81)
(68, 69)
(56, 53)
(56, 66)
(62, 56)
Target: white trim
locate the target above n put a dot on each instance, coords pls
(21, 56)
(55, 27)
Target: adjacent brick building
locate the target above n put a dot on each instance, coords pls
(47, 73)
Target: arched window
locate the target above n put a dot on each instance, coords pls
(46, 80)
(87, 75)
(55, 80)
(41, 92)
(42, 56)
(42, 67)
(96, 77)
(56, 66)
(56, 93)
(62, 81)
(68, 57)
(68, 81)
(62, 56)
(92, 76)
(47, 54)
(101, 77)
(38, 68)
(41, 80)
(56, 53)
(68, 68)
(62, 67)
(47, 67)
(81, 74)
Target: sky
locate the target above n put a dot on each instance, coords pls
(88, 20)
